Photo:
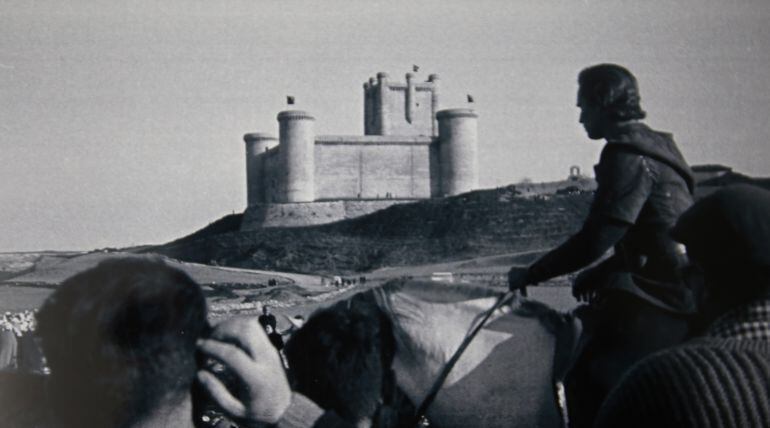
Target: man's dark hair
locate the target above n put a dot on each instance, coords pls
(613, 89)
(120, 340)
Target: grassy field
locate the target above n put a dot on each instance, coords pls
(232, 291)
(30, 278)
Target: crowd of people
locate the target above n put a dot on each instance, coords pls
(678, 315)
(339, 281)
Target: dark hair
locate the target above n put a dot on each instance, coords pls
(119, 339)
(613, 89)
(341, 357)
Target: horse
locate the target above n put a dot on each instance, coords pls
(351, 356)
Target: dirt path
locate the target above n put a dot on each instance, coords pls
(490, 264)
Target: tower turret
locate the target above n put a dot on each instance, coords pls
(434, 101)
(411, 99)
(458, 150)
(297, 155)
(257, 144)
(381, 108)
(368, 107)
(397, 108)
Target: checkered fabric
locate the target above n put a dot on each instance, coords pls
(750, 322)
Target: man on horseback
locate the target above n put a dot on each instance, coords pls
(637, 303)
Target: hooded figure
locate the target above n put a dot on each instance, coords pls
(637, 303)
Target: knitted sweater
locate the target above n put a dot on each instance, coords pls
(720, 380)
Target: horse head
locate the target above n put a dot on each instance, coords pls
(342, 358)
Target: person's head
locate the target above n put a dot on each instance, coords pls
(607, 94)
(341, 358)
(727, 235)
(266, 310)
(268, 329)
(120, 339)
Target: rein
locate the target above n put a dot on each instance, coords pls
(439, 382)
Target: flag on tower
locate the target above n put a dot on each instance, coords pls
(415, 68)
(470, 98)
(289, 100)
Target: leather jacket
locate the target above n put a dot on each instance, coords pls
(644, 181)
(644, 184)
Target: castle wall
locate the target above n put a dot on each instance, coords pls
(420, 119)
(309, 213)
(360, 167)
(373, 167)
(435, 170)
(410, 151)
(274, 188)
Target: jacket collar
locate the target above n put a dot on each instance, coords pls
(636, 137)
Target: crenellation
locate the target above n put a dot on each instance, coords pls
(409, 151)
(420, 86)
(374, 139)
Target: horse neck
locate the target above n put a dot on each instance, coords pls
(430, 322)
(511, 357)
(428, 317)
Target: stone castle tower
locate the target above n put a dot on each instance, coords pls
(410, 150)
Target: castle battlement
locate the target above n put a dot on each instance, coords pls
(410, 150)
(396, 108)
(374, 139)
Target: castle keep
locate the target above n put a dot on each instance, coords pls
(410, 150)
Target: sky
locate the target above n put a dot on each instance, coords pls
(121, 123)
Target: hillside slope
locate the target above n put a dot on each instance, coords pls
(476, 224)
(479, 223)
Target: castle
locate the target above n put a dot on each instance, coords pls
(410, 150)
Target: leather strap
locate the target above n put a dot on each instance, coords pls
(439, 382)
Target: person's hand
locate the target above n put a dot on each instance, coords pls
(261, 393)
(584, 290)
(518, 279)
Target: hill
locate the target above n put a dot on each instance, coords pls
(482, 223)
(479, 223)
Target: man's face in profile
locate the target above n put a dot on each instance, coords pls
(592, 119)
